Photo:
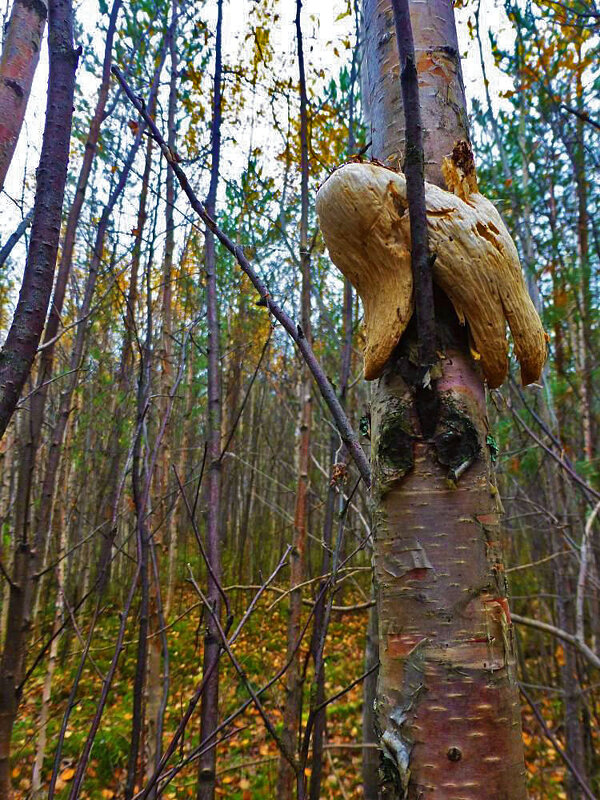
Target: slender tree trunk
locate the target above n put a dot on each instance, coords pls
(174, 529)
(585, 298)
(167, 290)
(20, 56)
(323, 607)
(320, 624)
(59, 610)
(139, 497)
(293, 692)
(447, 705)
(158, 681)
(568, 675)
(209, 712)
(245, 557)
(24, 335)
(153, 703)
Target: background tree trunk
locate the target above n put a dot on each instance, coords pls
(24, 335)
(293, 691)
(209, 712)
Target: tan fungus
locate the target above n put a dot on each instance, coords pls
(363, 213)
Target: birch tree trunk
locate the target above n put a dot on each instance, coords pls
(20, 56)
(447, 702)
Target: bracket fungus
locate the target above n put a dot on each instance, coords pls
(363, 213)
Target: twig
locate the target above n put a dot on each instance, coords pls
(209, 567)
(413, 167)
(519, 567)
(348, 688)
(243, 677)
(318, 579)
(583, 115)
(573, 769)
(7, 577)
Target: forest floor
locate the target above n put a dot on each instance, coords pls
(248, 758)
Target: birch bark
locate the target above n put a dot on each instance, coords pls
(447, 703)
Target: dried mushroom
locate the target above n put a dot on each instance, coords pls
(363, 213)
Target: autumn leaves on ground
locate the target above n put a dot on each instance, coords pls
(248, 757)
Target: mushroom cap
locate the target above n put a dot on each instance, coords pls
(363, 212)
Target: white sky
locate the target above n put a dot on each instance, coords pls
(320, 27)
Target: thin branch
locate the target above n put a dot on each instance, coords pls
(348, 435)
(583, 562)
(520, 567)
(14, 237)
(414, 169)
(585, 651)
(572, 768)
(243, 677)
(348, 688)
(582, 115)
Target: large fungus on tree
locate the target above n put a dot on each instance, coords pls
(363, 213)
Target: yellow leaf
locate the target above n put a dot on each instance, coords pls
(67, 774)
